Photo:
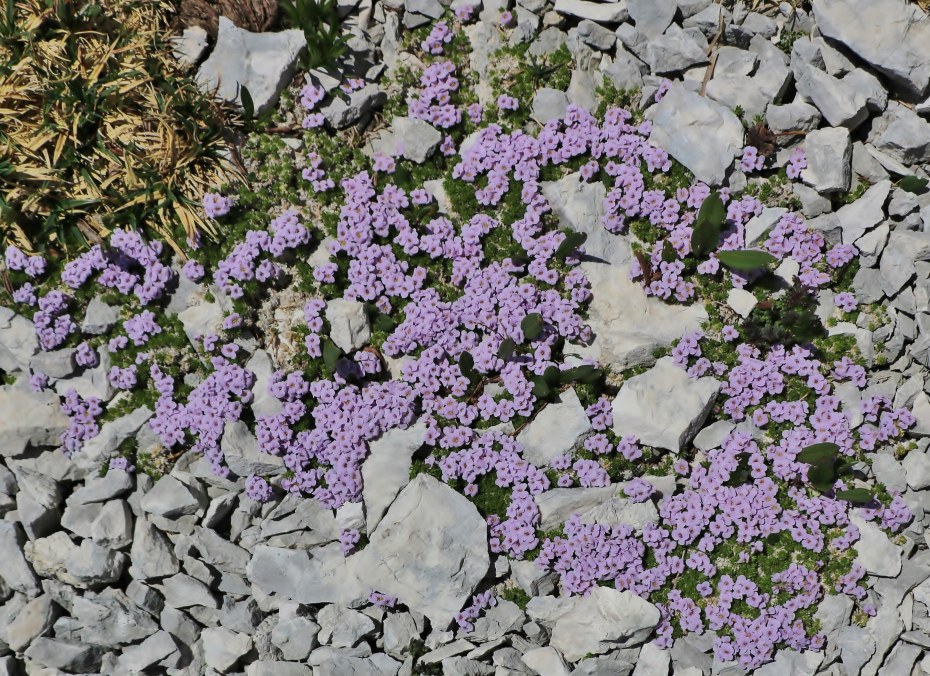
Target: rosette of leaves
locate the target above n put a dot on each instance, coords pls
(788, 320)
(322, 27)
(99, 128)
(826, 466)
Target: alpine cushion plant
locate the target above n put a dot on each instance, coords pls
(473, 305)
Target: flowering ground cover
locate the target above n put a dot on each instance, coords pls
(447, 292)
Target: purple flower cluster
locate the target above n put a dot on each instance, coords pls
(32, 266)
(52, 323)
(245, 263)
(434, 102)
(216, 205)
(439, 35)
(751, 160)
(796, 162)
(82, 414)
(479, 602)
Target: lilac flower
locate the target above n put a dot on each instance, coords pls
(216, 205)
(257, 489)
(846, 301)
(193, 270)
(122, 464)
(38, 381)
(348, 539)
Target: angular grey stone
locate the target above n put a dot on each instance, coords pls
(152, 554)
(652, 17)
(262, 403)
(897, 265)
(99, 449)
(190, 45)
(555, 430)
(601, 12)
(917, 468)
(794, 116)
(341, 113)
(320, 575)
(100, 489)
(111, 619)
(348, 322)
(171, 498)
(701, 134)
(829, 155)
(387, 470)
(71, 656)
(154, 649)
(54, 364)
(272, 668)
(596, 36)
(15, 571)
(219, 552)
(28, 417)
(843, 101)
(242, 455)
(223, 648)
(430, 550)
(708, 19)
(902, 134)
(547, 42)
(296, 637)
(549, 104)
(343, 628)
(603, 620)
(113, 526)
(877, 554)
(546, 661)
(183, 591)
(885, 33)
(33, 620)
(431, 8)
(865, 213)
(739, 91)
(628, 325)
(625, 71)
(664, 407)
(18, 341)
(86, 566)
(265, 63)
(673, 52)
(414, 139)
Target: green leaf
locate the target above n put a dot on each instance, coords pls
(706, 234)
(532, 326)
(552, 375)
(859, 496)
(402, 176)
(248, 106)
(822, 475)
(746, 259)
(816, 453)
(384, 324)
(467, 365)
(541, 389)
(913, 184)
(570, 244)
(506, 349)
(586, 373)
(331, 354)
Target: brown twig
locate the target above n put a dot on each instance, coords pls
(712, 47)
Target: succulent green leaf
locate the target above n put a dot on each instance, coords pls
(706, 234)
(572, 241)
(913, 184)
(859, 496)
(746, 259)
(532, 326)
(816, 453)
